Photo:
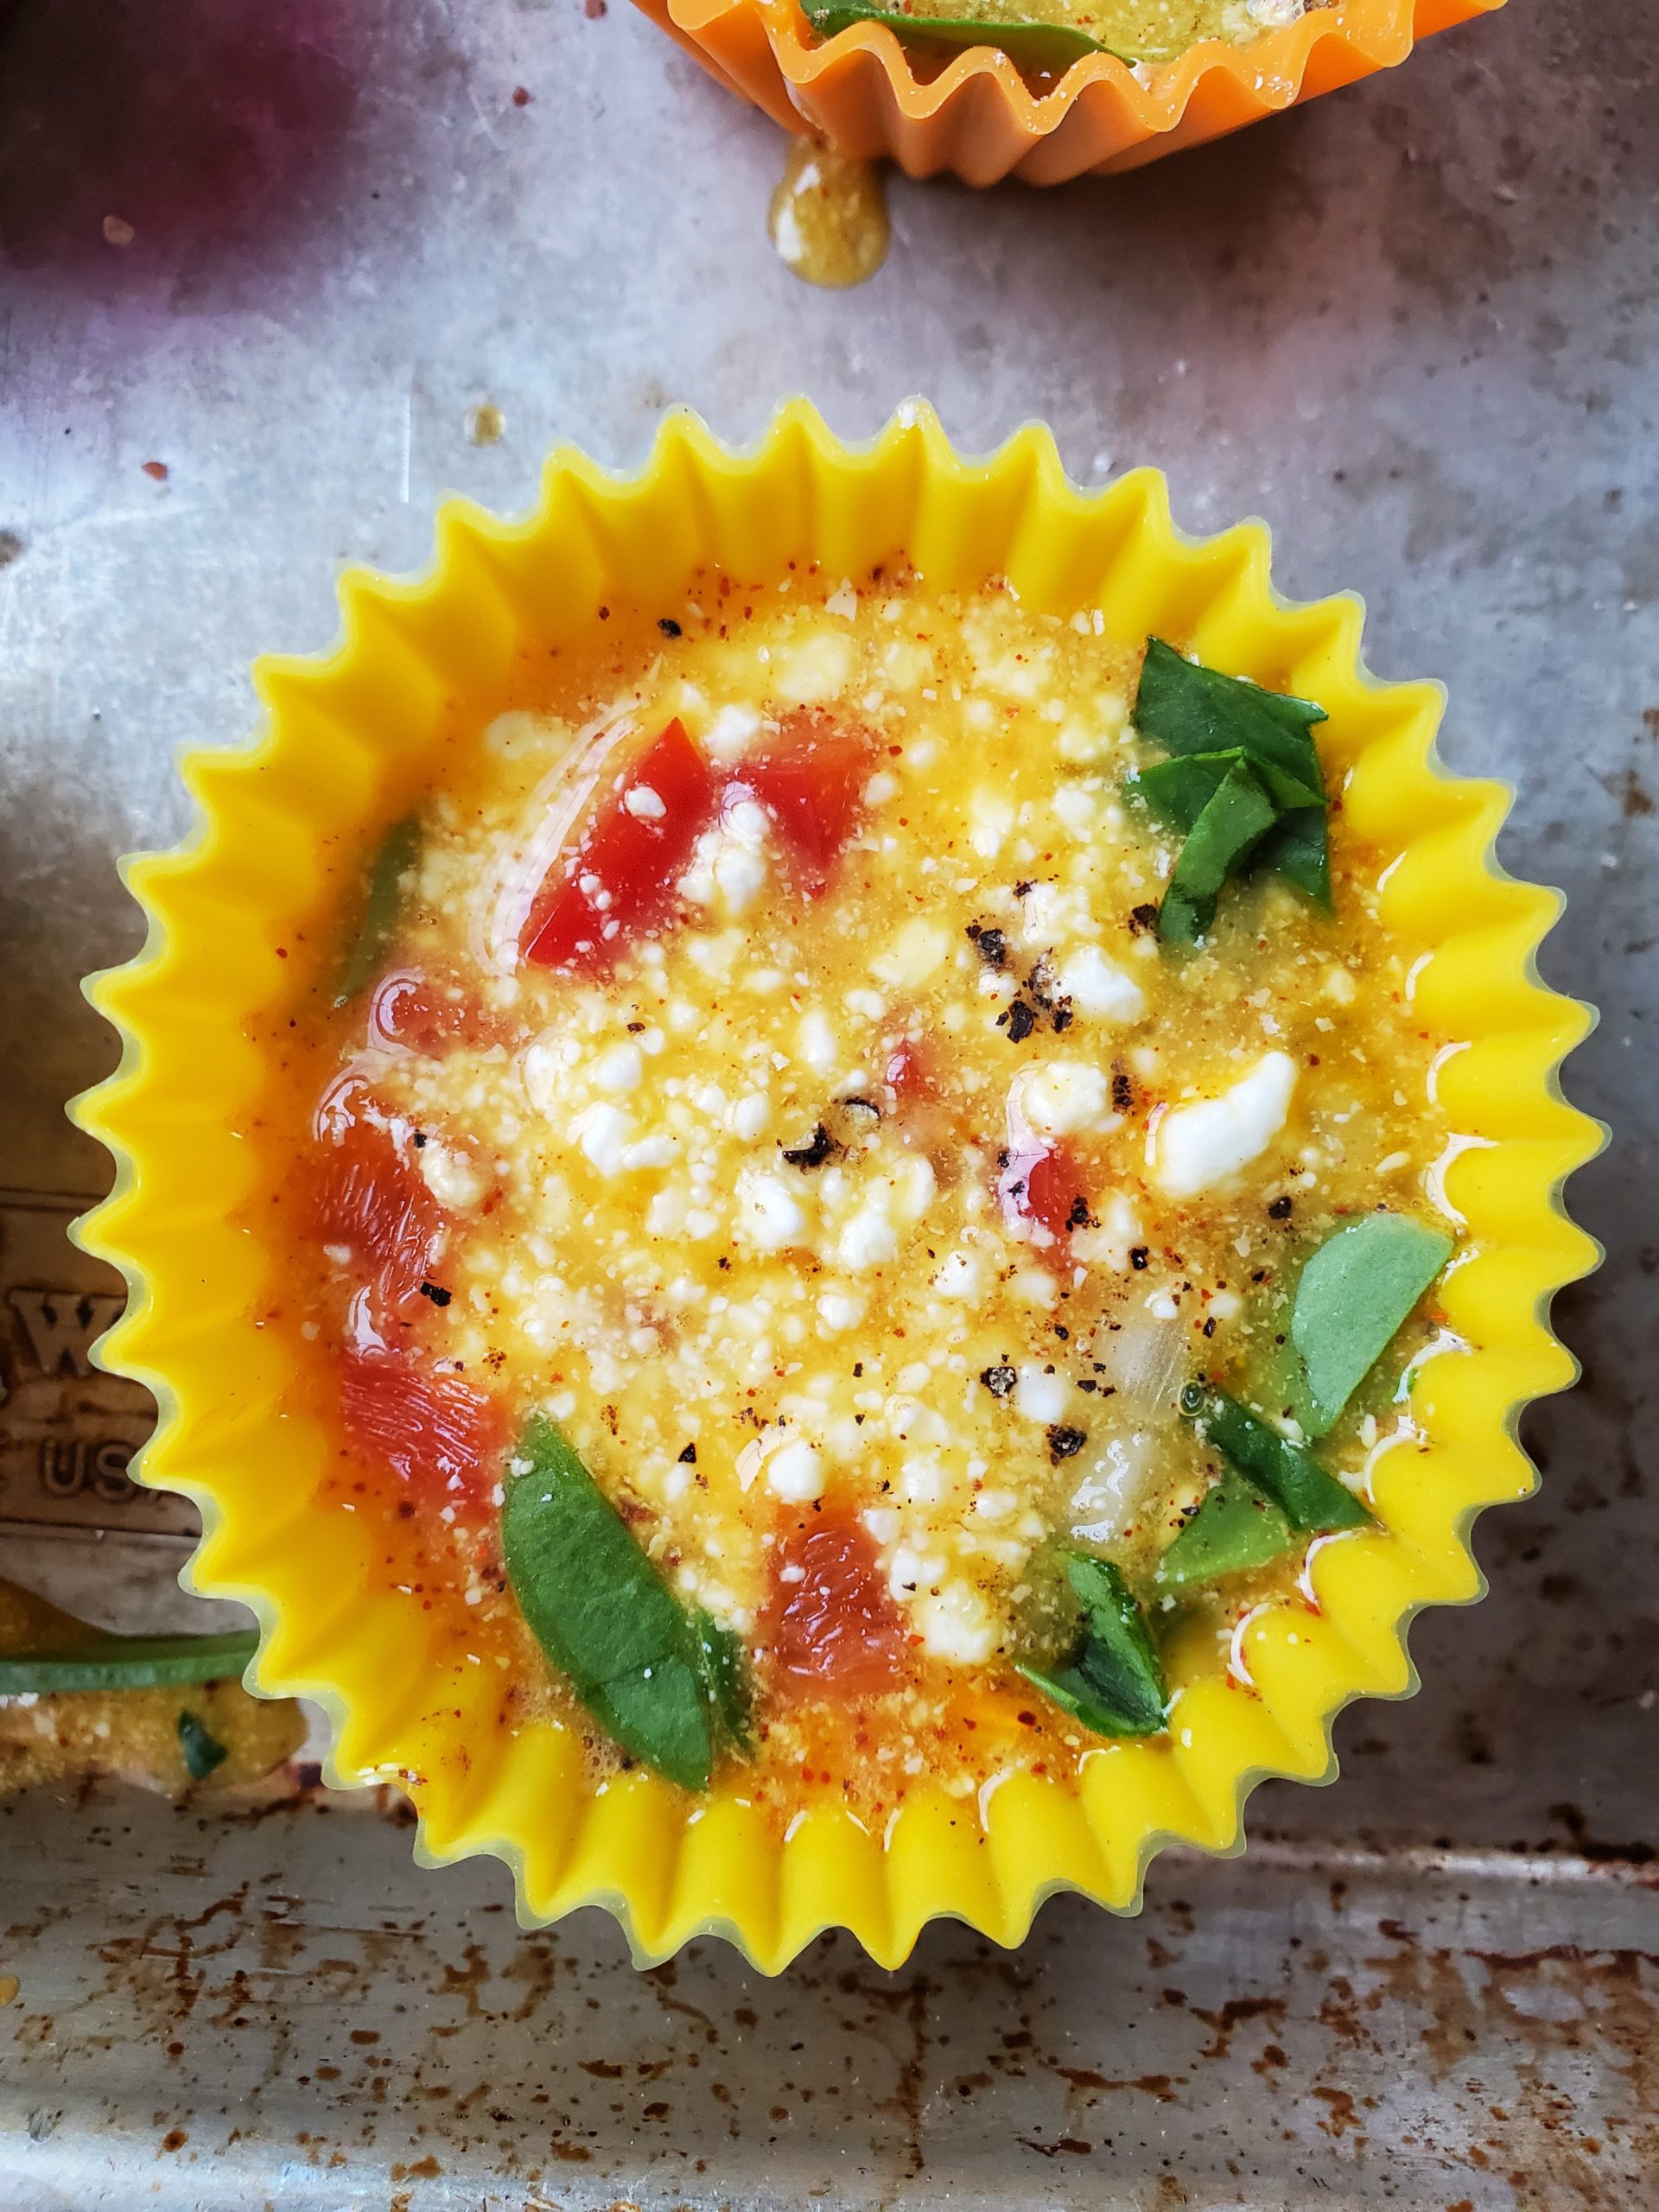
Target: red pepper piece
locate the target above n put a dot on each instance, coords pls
(370, 1197)
(908, 1074)
(811, 782)
(434, 1431)
(620, 878)
(1054, 1194)
(835, 1623)
(416, 1012)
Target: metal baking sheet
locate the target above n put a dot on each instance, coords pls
(259, 268)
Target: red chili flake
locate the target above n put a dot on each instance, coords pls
(157, 469)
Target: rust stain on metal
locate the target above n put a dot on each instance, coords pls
(1236, 2010)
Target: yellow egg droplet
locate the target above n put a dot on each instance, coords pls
(829, 218)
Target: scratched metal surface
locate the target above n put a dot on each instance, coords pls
(1413, 326)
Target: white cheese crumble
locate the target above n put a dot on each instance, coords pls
(1097, 987)
(603, 1131)
(731, 734)
(768, 1214)
(1058, 1097)
(1041, 1396)
(455, 1179)
(1198, 1145)
(795, 1471)
(620, 1068)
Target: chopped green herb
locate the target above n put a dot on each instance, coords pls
(202, 1750)
(127, 1663)
(1232, 824)
(1190, 709)
(601, 1611)
(1234, 1529)
(723, 1665)
(1029, 44)
(392, 862)
(1112, 1680)
(1309, 1498)
(1300, 848)
(1354, 1295)
(1179, 789)
(1213, 725)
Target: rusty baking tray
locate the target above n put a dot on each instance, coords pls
(1416, 326)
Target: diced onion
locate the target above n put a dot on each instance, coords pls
(1145, 1360)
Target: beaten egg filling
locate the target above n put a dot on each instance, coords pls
(766, 1068)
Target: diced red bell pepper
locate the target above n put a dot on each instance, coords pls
(416, 1012)
(433, 1431)
(1054, 1193)
(370, 1196)
(811, 782)
(1045, 1185)
(621, 877)
(908, 1074)
(834, 1623)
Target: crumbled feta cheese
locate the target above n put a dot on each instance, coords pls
(813, 669)
(660, 1150)
(1058, 1097)
(960, 1276)
(731, 734)
(455, 1179)
(1077, 808)
(841, 1309)
(1197, 1146)
(1041, 1396)
(750, 1116)
(870, 1238)
(644, 803)
(1114, 1235)
(955, 1624)
(816, 1042)
(620, 1068)
(795, 1471)
(1097, 986)
(604, 1133)
(767, 1213)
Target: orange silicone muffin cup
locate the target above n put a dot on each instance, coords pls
(979, 120)
(346, 740)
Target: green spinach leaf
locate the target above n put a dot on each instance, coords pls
(1234, 1529)
(1178, 789)
(1187, 707)
(601, 1611)
(1029, 44)
(1112, 1680)
(129, 1663)
(1310, 1499)
(1356, 1293)
(202, 1750)
(1233, 823)
(723, 1665)
(381, 900)
(1212, 723)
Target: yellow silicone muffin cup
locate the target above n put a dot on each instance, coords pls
(978, 119)
(346, 739)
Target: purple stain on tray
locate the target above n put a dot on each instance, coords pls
(139, 141)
